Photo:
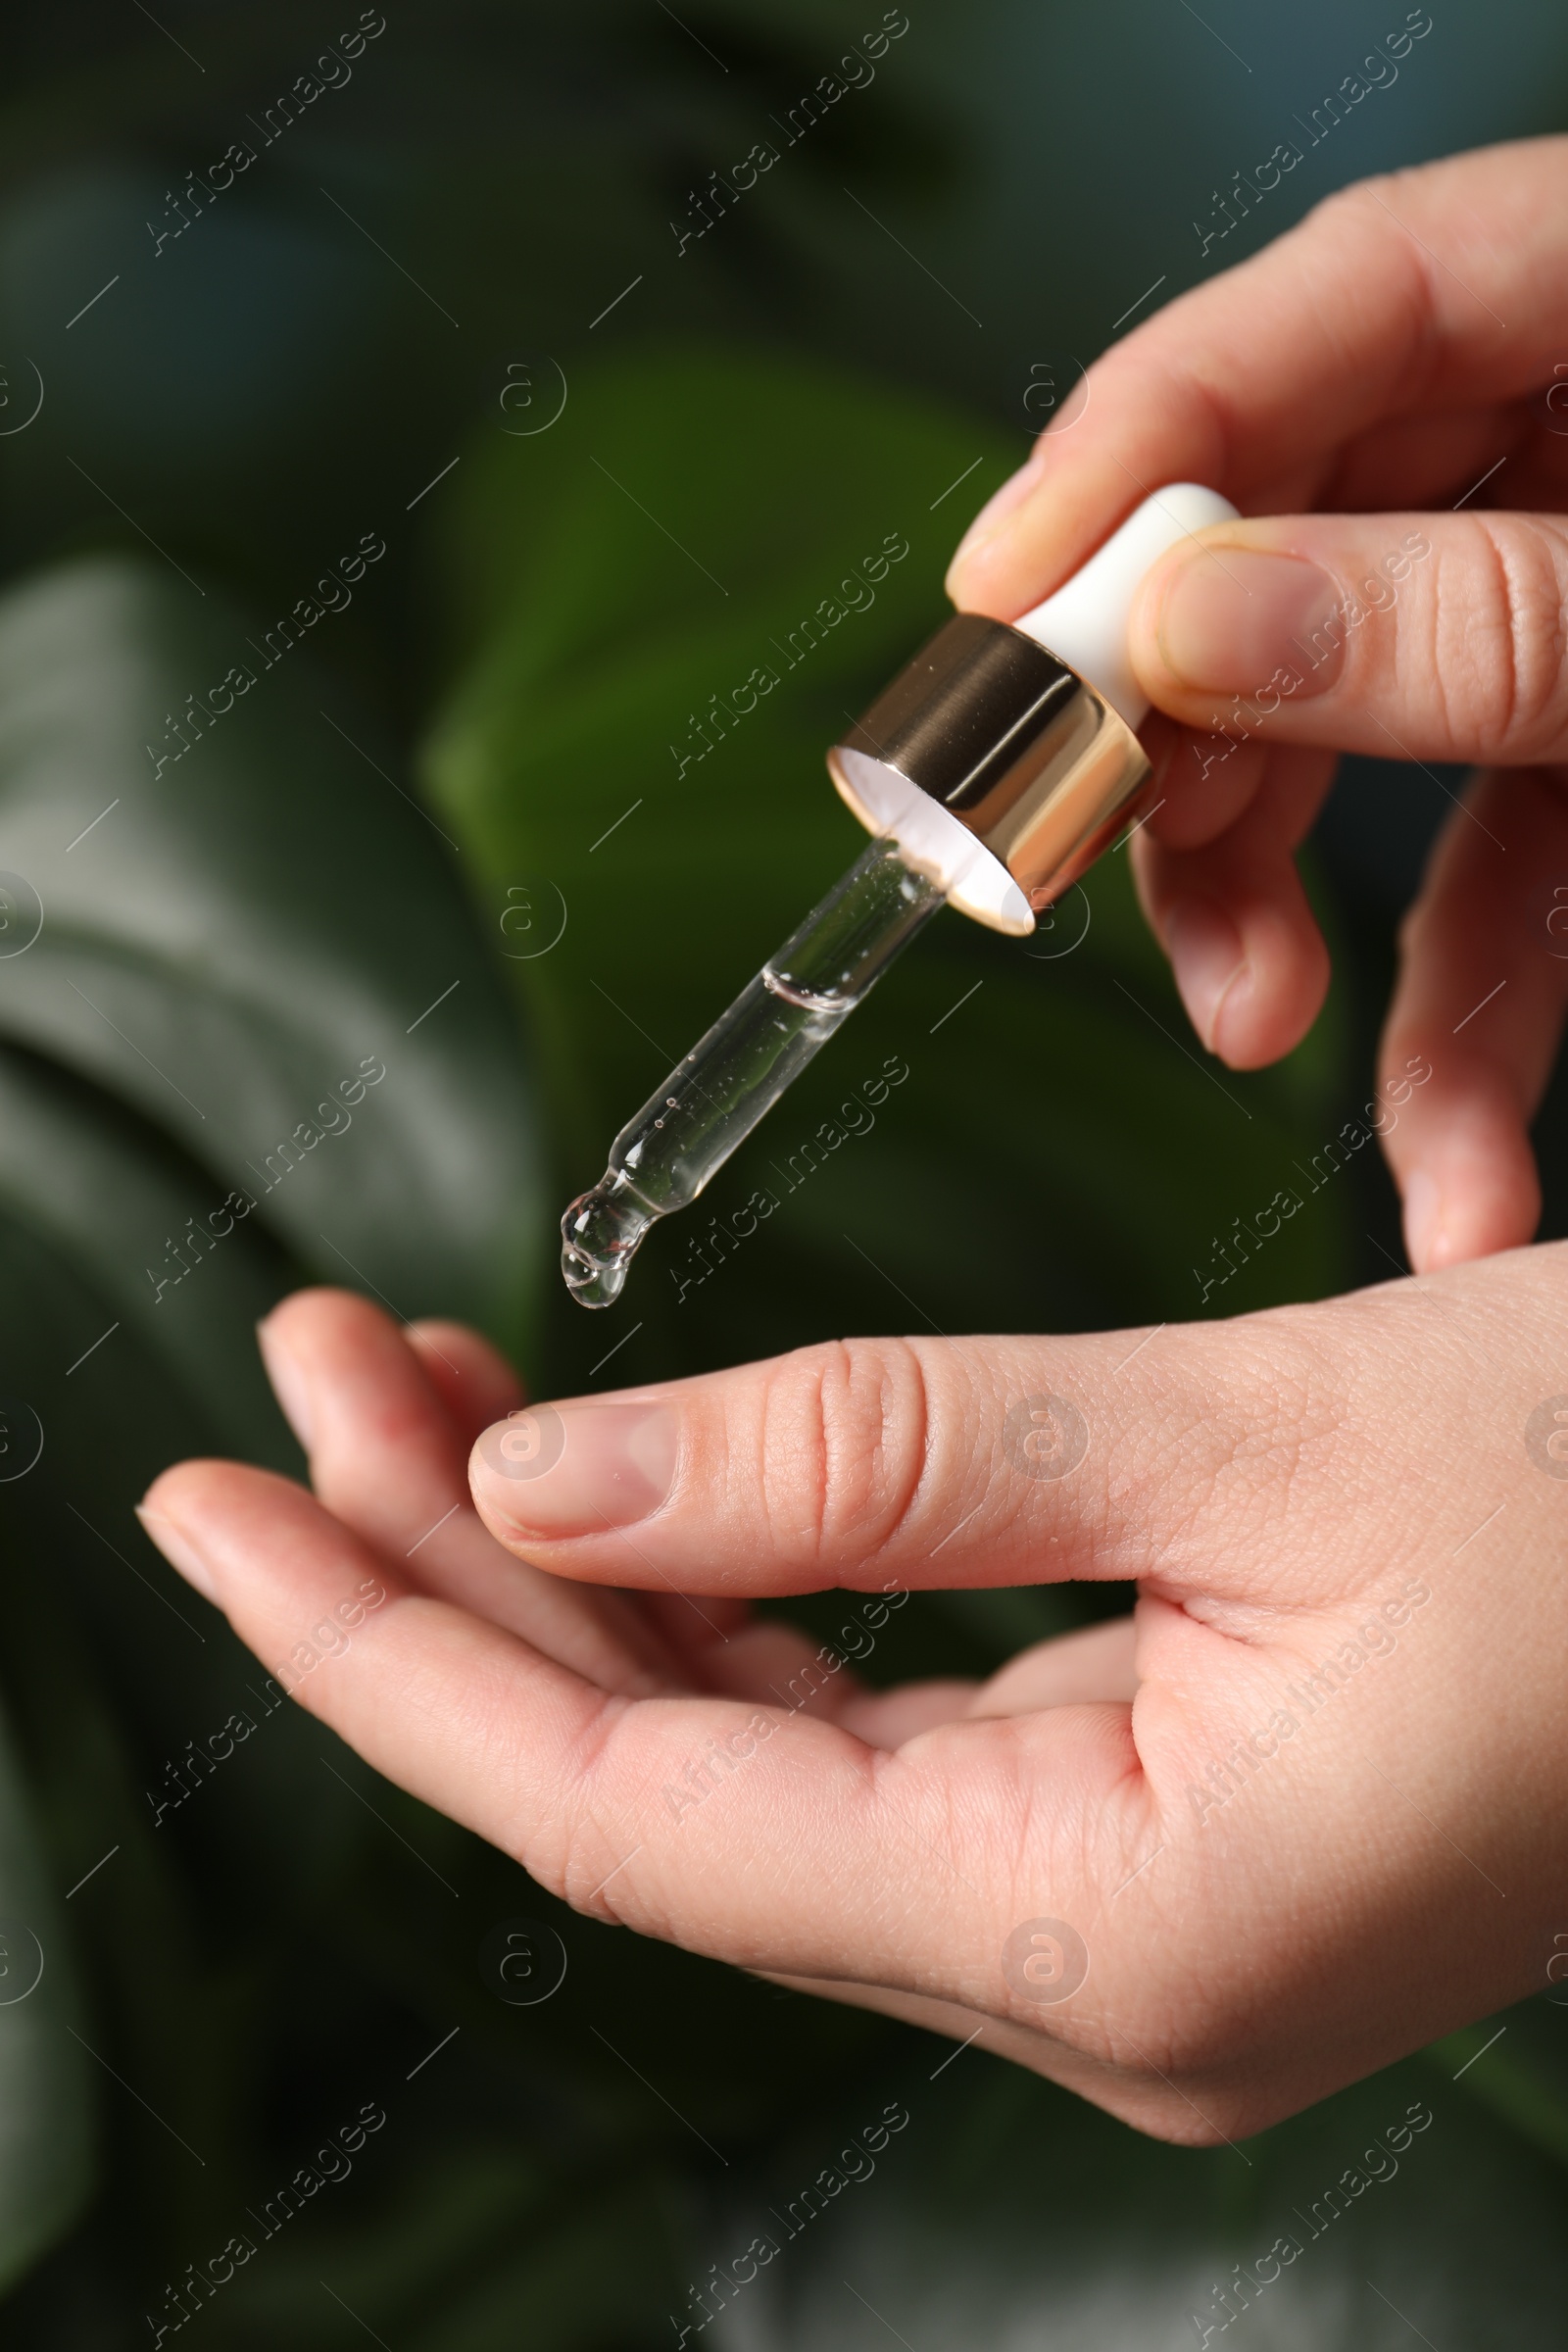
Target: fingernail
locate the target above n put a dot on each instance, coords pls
(289, 1385)
(1231, 617)
(1207, 959)
(1423, 1220)
(576, 1469)
(179, 1551)
(998, 507)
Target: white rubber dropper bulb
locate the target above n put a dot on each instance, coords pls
(1085, 623)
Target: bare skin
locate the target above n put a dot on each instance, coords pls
(1296, 1494)
(1350, 386)
(1308, 1807)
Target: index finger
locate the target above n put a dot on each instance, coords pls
(1392, 298)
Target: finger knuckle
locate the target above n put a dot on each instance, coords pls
(1496, 649)
(1359, 243)
(1350, 212)
(1408, 936)
(843, 1444)
(1362, 242)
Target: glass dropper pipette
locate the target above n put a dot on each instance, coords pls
(993, 771)
(733, 1076)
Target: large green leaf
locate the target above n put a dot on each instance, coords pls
(234, 937)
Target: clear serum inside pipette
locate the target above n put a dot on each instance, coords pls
(733, 1076)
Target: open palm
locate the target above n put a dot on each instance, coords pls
(1187, 1863)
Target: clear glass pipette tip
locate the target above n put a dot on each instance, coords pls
(687, 1129)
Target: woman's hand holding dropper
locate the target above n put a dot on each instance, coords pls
(1386, 389)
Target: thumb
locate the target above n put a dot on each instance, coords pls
(1411, 636)
(884, 1464)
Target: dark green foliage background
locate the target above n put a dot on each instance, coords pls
(326, 878)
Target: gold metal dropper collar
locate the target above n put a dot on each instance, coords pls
(1023, 752)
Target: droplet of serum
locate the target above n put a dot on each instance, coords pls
(600, 1236)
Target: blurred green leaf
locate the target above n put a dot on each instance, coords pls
(46, 2139)
(252, 1036)
(89, 1192)
(236, 936)
(1523, 2080)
